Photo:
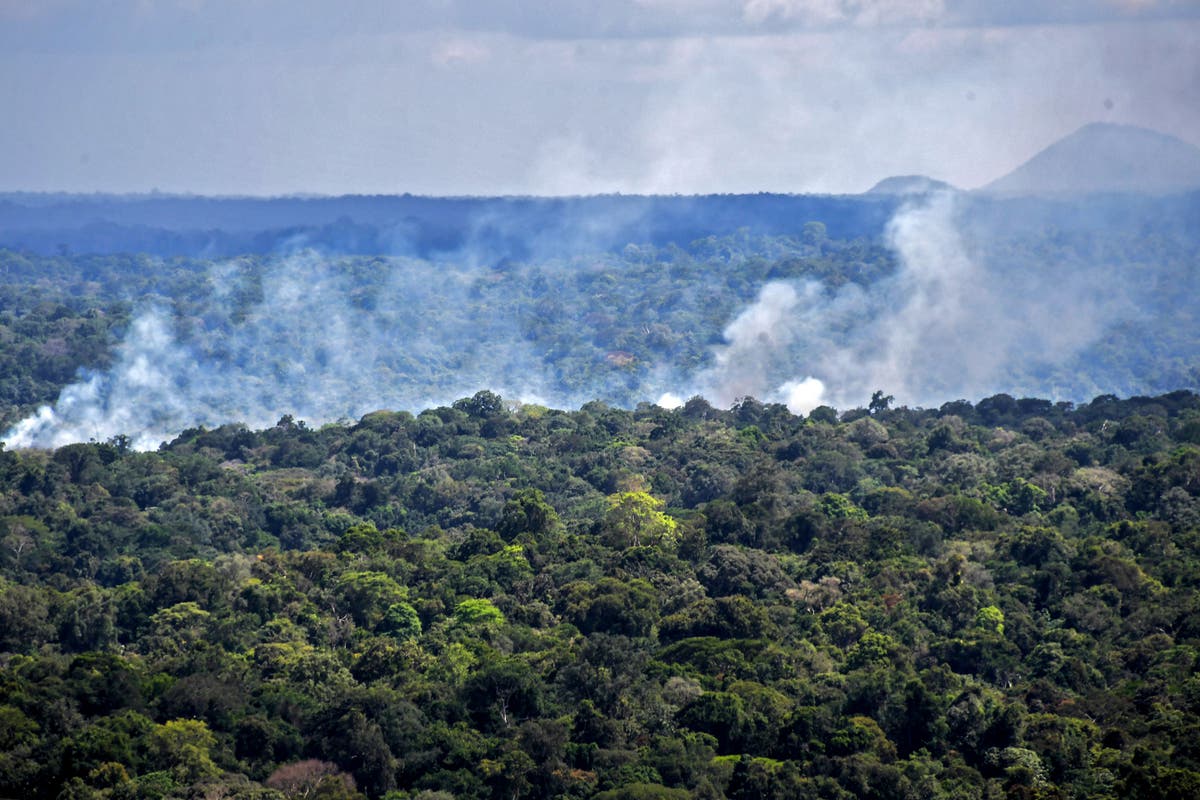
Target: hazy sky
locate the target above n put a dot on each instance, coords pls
(567, 96)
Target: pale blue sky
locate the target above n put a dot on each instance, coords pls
(561, 96)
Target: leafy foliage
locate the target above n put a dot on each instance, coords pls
(978, 600)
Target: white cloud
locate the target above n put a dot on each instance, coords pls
(856, 12)
(460, 50)
(645, 96)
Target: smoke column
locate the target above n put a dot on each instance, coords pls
(944, 326)
(137, 395)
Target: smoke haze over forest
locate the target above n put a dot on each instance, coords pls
(954, 312)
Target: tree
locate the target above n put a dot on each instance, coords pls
(478, 613)
(483, 405)
(503, 694)
(528, 513)
(184, 747)
(722, 715)
(880, 402)
(613, 606)
(635, 518)
(369, 594)
(176, 630)
(814, 233)
(400, 620)
(19, 740)
(644, 791)
(301, 780)
(23, 618)
(86, 620)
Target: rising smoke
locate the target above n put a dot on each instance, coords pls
(945, 325)
(298, 339)
(303, 337)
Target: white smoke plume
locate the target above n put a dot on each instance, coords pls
(946, 325)
(140, 394)
(958, 324)
(753, 336)
(298, 340)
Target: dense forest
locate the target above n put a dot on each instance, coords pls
(491, 599)
(475, 593)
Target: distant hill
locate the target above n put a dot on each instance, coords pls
(1103, 157)
(909, 184)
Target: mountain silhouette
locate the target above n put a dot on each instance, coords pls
(1102, 157)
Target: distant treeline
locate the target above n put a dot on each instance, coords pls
(492, 227)
(495, 228)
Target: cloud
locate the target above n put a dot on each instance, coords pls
(26, 10)
(149, 25)
(1154, 8)
(460, 50)
(854, 12)
(632, 96)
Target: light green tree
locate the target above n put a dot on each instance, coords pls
(635, 519)
(184, 747)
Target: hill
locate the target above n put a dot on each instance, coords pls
(1102, 157)
(909, 184)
